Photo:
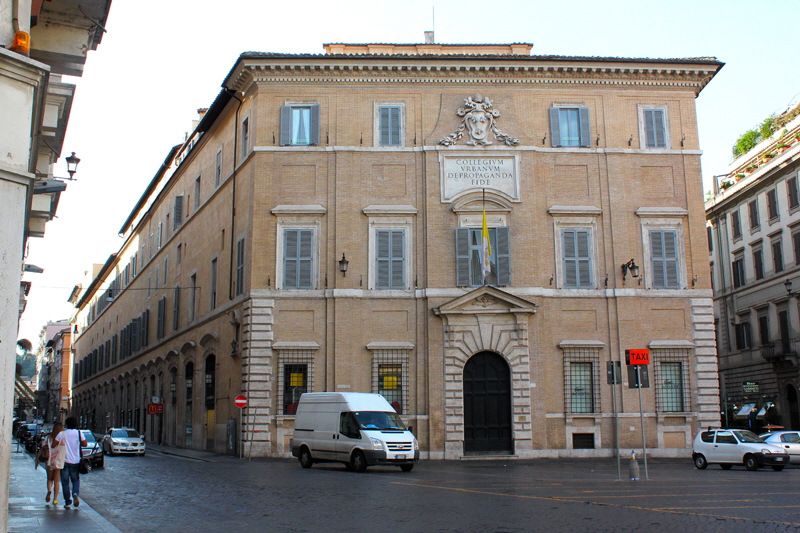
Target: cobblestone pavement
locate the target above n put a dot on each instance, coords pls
(216, 493)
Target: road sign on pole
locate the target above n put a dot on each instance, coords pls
(240, 401)
(637, 357)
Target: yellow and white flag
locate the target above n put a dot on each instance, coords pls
(486, 266)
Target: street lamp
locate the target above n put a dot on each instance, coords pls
(632, 267)
(72, 165)
(343, 264)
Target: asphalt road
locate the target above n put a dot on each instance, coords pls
(168, 493)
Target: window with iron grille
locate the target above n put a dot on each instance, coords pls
(581, 379)
(296, 377)
(390, 377)
(672, 385)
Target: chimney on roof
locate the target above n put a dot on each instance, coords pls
(429, 37)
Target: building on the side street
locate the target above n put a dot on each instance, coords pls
(39, 43)
(54, 338)
(321, 229)
(754, 247)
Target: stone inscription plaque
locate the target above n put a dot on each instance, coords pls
(473, 172)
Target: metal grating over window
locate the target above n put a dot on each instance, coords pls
(390, 377)
(583, 441)
(295, 376)
(672, 386)
(581, 379)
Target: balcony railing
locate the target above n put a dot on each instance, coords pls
(780, 348)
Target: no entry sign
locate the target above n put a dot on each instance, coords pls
(240, 401)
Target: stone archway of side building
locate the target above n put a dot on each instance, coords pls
(487, 405)
(792, 414)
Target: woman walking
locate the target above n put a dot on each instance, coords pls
(72, 439)
(55, 462)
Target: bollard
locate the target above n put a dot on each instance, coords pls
(634, 467)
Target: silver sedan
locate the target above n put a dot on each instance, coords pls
(789, 440)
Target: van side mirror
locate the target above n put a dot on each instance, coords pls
(411, 429)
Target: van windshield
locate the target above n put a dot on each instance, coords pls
(378, 420)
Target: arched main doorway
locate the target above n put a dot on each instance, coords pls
(487, 405)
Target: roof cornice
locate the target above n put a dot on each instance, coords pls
(505, 69)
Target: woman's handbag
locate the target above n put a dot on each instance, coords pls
(44, 453)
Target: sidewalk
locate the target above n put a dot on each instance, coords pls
(28, 512)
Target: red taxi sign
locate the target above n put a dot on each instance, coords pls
(637, 357)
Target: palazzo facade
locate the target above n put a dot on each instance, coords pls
(320, 230)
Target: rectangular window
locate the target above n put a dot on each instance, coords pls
(743, 340)
(192, 296)
(176, 308)
(161, 318)
(144, 333)
(469, 257)
(213, 288)
(149, 281)
(736, 225)
(134, 259)
(777, 255)
(655, 130)
(295, 381)
(218, 168)
(569, 126)
(710, 237)
(295, 376)
(763, 328)
(390, 377)
(672, 386)
(664, 259)
(772, 204)
(758, 262)
(754, 221)
(177, 219)
(240, 267)
(196, 193)
(178, 254)
(390, 259)
(581, 388)
(738, 271)
(158, 276)
(577, 259)
(299, 125)
(791, 190)
(298, 258)
(245, 137)
(160, 235)
(165, 272)
(796, 244)
(390, 130)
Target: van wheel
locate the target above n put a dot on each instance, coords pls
(700, 461)
(358, 462)
(305, 458)
(750, 463)
(406, 468)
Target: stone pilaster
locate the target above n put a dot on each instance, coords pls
(257, 373)
(705, 360)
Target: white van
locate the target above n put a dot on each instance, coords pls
(355, 428)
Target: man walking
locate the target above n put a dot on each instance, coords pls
(73, 440)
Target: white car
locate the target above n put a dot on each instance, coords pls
(728, 447)
(123, 440)
(788, 440)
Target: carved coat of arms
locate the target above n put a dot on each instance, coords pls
(478, 122)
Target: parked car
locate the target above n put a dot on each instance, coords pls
(728, 447)
(28, 436)
(92, 451)
(123, 440)
(788, 440)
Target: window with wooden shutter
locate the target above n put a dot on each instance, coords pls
(298, 260)
(240, 267)
(569, 126)
(577, 258)
(390, 130)
(469, 257)
(299, 125)
(245, 137)
(777, 255)
(791, 190)
(177, 218)
(772, 204)
(390, 259)
(664, 259)
(176, 308)
(655, 134)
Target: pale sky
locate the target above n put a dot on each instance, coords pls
(161, 61)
